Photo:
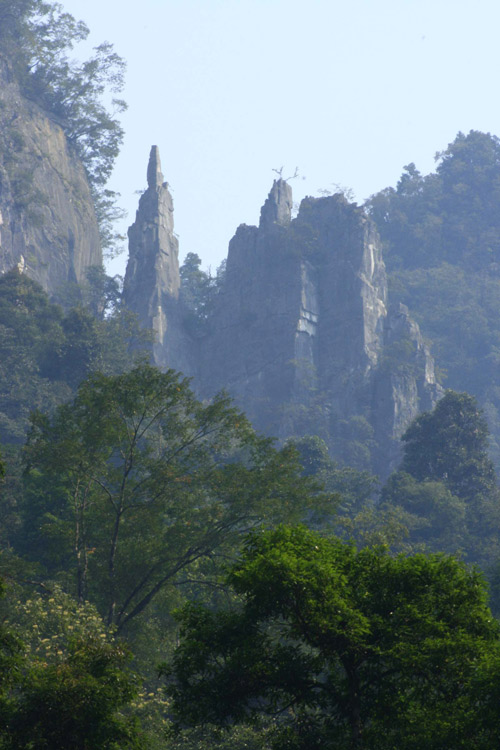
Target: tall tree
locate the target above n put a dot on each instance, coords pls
(450, 445)
(136, 481)
(345, 649)
(447, 480)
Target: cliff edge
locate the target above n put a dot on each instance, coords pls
(48, 227)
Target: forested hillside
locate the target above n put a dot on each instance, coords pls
(441, 235)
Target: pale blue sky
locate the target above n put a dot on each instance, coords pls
(347, 91)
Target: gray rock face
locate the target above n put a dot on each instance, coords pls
(300, 336)
(151, 287)
(48, 227)
(278, 207)
(404, 384)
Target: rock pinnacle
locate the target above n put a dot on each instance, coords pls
(155, 177)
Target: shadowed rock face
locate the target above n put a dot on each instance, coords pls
(301, 335)
(151, 286)
(48, 227)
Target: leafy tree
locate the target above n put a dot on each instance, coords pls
(358, 517)
(355, 489)
(345, 649)
(30, 337)
(436, 518)
(101, 293)
(10, 659)
(447, 481)
(45, 353)
(450, 445)
(136, 482)
(198, 292)
(469, 171)
(447, 216)
(72, 686)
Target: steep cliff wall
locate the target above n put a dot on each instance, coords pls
(151, 287)
(302, 338)
(300, 335)
(47, 222)
(254, 326)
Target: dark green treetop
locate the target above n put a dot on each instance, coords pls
(450, 445)
(344, 649)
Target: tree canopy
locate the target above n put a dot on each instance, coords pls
(136, 482)
(341, 648)
(64, 681)
(450, 444)
(446, 481)
(441, 241)
(46, 352)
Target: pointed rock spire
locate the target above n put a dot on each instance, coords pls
(152, 281)
(278, 207)
(155, 176)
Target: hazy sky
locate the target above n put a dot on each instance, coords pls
(348, 91)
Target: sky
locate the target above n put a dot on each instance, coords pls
(346, 91)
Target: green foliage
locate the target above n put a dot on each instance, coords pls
(357, 516)
(450, 445)
(198, 293)
(101, 293)
(349, 649)
(447, 481)
(354, 442)
(136, 482)
(448, 216)
(10, 661)
(436, 518)
(441, 235)
(45, 353)
(355, 489)
(30, 337)
(313, 455)
(35, 38)
(72, 686)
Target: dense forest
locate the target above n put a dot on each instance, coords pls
(171, 579)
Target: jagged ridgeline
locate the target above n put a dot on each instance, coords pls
(300, 331)
(304, 328)
(309, 334)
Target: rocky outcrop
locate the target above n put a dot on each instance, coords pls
(300, 335)
(403, 385)
(48, 227)
(151, 286)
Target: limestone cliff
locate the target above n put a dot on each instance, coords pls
(151, 287)
(300, 335)
(48, 227)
